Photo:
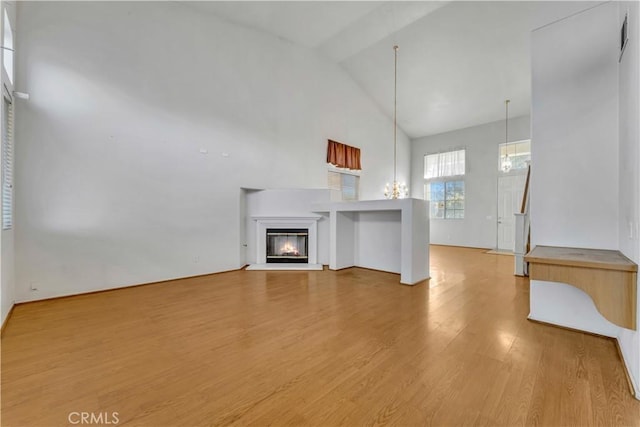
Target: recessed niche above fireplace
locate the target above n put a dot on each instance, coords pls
(286, 243)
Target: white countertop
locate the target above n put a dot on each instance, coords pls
(364, 205)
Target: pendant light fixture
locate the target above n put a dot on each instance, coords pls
(506, 161)
(396, 190)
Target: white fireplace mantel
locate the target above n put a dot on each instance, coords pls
(264, 222)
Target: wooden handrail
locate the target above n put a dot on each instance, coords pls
(525, 195)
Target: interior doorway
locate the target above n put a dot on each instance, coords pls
(510, 192)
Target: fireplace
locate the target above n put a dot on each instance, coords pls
(287, 245)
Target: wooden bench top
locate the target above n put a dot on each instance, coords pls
(580, 257)
(607, 276)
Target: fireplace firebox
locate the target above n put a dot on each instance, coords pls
(287, 245)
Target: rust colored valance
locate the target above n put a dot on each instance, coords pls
(343, 155)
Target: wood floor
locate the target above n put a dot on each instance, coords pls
(323, 348)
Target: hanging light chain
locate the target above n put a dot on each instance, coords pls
(506, 163)
(506, 122)
(396, 190)
(395, 112)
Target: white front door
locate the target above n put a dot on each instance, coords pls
(510, 191)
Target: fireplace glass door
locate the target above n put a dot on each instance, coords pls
(287, 245)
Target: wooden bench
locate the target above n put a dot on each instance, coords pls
(607, 276)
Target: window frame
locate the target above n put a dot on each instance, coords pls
(455, 179)
(444, 179)
(342, 172)
(8, 47)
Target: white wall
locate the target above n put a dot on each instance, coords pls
(584, 192)
(629, 131)
(574, 180)
(113, 188)
(479, 226)
(629, 165)
(7, 273)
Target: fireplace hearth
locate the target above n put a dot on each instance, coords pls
(287, 245)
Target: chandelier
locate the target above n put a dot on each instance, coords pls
(396, 190)
(506, 164)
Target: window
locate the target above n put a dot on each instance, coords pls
(344, 186)
(7, 164)
(514, 155)
(7, 51)
(444, 188)
(440, 165)
(446, 199)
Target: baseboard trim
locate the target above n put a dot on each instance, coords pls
(98, 291)
(568, 328)
(634, 390)
(372, 269)
(458, 246)
(6, 320)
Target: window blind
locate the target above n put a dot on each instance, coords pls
(7, 165)
(350, 187)
(344, 185)
(450, 163)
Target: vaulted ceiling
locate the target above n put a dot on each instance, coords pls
(457, 63)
